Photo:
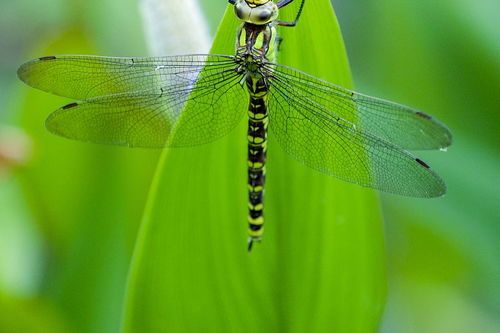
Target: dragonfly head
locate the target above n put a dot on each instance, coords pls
(259, 12)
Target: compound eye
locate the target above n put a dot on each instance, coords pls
(262, 15)
(265, 15)
(242, 10)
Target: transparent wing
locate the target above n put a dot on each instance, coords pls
(144, 101)
(401, 125)
(306, 122)
(83, 77)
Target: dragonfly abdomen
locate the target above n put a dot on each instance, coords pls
(257, 147)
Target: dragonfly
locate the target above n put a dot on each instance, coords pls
(187, 100)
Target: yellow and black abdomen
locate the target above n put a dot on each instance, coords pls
(256, 45)
(257, 147)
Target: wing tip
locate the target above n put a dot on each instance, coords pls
(446, 138)
(50, 126)
(24, 69)
(441, 192)
(438, 190)
(51, 121)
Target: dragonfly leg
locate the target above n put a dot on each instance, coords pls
(286, 24)
(283, 3)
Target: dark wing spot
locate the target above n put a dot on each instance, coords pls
(47, 58)
(423, 115)
(422, 163)
(69, 106)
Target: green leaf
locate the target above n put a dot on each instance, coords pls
(320, 267)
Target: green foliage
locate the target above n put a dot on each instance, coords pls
(320, 266)
(441, 57)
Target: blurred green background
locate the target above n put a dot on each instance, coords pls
(67, 234)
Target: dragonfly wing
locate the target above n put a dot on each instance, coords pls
(82, 77)
(313, 134)
(399, 124)
(199, 110)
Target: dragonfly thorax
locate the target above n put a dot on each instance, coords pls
(257, 41)
(253, 66)
(258, 12)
